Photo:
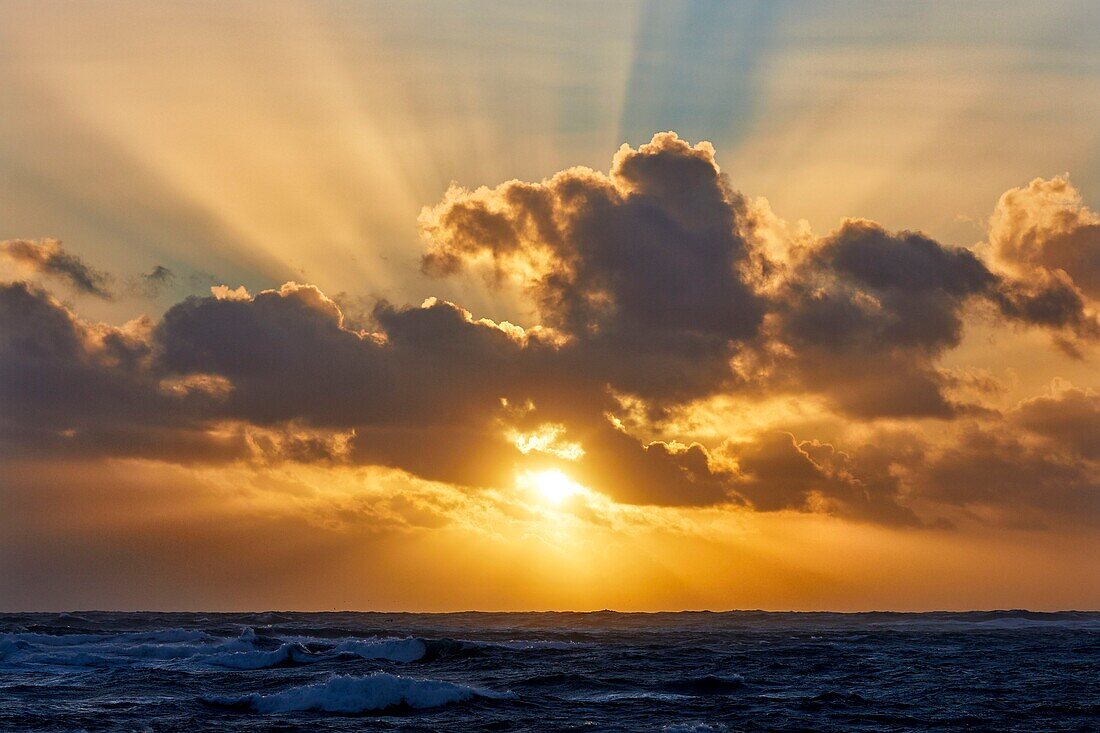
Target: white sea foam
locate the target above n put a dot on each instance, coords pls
(347, 694)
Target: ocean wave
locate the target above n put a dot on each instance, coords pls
(535, 645)
(76, 659)
(456, 648)
(832, 698)
(118, 650)
(287, 655)
(347, 694)
(164, 636)
(628, 695)
(9, 647)
(419, 649)
(555, 679)
(248, 650)
(409, 649)
(711, 684)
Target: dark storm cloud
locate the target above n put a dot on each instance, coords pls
(425, 395)
(289, 355)
(424, 398)
(651, 288)
(49, 258)
(1050, 300)
(866, 314)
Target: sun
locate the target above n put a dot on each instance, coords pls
(551, 485)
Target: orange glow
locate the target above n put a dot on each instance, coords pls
(557, 425)
(551, 485)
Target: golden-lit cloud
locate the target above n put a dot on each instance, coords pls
(695, 373)
(659, 290)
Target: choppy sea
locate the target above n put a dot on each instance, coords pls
(604, 671)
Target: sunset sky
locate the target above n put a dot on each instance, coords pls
(426, 306)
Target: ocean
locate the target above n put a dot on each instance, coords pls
(603, 671)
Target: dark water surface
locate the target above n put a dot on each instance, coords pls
(741, 671)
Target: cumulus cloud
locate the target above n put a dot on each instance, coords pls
(654, 285)
(1046, 226)
(49, 258)
(663, 274)
(1049, 241)
(645, 267)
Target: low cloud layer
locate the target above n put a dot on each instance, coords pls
(655, 287)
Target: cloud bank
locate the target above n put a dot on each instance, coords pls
(656, 287)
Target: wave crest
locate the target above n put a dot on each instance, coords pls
(348, 694)
(287, 655)
(409, 649)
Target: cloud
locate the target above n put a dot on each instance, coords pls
(1003, 477)
(644, 267)
(154, 282)
(1046, 227)
(663, 274)
(865, 314)
(48, 257)
(1049, 242)
(779, 472)
(69, 387)
(655, 285)
(1069, 419)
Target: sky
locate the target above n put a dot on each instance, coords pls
(644, 306)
